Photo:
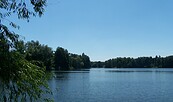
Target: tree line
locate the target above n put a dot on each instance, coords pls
(60, 59)
(44, 56)
(63, 60)
(140, 62)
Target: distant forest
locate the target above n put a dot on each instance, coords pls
(60, 59)
(140, 62)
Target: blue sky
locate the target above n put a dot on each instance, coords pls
(105, 29)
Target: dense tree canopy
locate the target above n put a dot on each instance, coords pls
(61, 59)
(140, 62)
(79, 61)
(75, 61)
(38, 54)
(68, 61)
(86, 61)
(19, 78)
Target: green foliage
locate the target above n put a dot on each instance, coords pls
(98, 64)
(86, 61)
(140, 62)
(61, 59)
(168, 62)
(20, 46)
(20, 8)
(76, 61)
(67, 61)
(7, 38)
(19, 79)
(41, 55)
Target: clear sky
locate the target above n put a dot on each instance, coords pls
(105, 29)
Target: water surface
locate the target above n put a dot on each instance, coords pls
(113, 85)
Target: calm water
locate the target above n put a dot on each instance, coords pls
(113, 85)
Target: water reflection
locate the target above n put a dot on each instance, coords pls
(64, 74)
(157, 70)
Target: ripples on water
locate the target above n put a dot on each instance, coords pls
(113, 85)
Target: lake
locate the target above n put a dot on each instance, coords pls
(113, 85)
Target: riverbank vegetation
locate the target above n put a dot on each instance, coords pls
(44, 56)
(140, 62)
(60, 59)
